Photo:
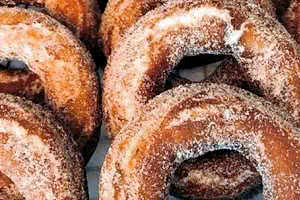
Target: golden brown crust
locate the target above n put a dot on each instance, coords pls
(64, 67)
(36, 154)
(120, 15)
(189, 121)
(80, 16)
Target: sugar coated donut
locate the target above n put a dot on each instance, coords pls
(63, 66)
(189, 121)
(138, 67)
(36, 154)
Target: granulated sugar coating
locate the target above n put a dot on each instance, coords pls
(39, 160)
(189, 121)
(139, 65)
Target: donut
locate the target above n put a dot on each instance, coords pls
(63, 66)
(291, 19)
(138, 67)
(37, 156)
(120, 15)
(222, 169)
(80, 16)
(189, 121)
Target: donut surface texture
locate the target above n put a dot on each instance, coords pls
(36, 154)
(138, 67)
(80, 16)
(63, 66)
(119, 16)
(189, 121)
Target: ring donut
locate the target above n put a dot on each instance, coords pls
(80, 16)
(189, 121)
(63, 66)
(120, 16)
(36, 154)
(162, 37)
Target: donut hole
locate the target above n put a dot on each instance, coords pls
(222, 174)
(18, 80)
(197, 68)
(8, 189)
(13, 65)
(208, 67)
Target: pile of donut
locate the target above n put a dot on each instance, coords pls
(217, 139)
(220, 138)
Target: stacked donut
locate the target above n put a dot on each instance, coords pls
(160, 139)
(44, 148)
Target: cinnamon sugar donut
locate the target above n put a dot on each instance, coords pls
(64, 67)
(189, 121)
(36, 154)
(120, 15)
(139, 65)
(80, 16)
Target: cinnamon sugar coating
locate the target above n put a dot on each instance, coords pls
(189, 121)
(36, 154)
(138, 67)
(120, 15)
(62, 64)
(80, 16)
